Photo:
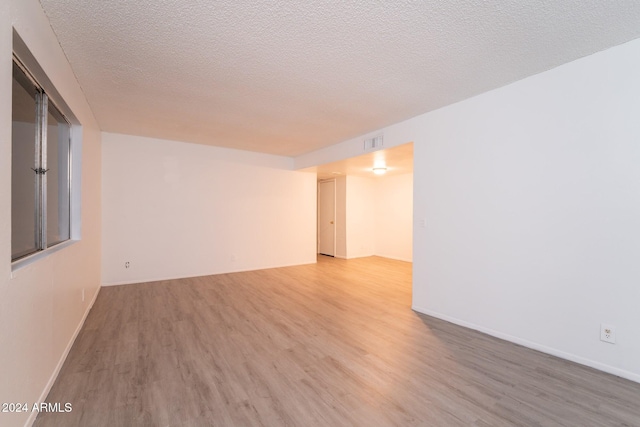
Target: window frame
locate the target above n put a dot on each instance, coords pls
(23, 58)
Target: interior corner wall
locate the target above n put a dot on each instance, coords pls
(531, 200)
(393, 207)
(374, 216)
(175, 209)
(41, 304)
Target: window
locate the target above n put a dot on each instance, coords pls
(40, 168)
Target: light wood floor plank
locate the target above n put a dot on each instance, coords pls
(331, 344)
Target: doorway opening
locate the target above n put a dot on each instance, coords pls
(361, 213)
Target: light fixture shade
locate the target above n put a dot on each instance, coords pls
(379, 170)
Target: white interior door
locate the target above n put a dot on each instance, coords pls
(327, 217)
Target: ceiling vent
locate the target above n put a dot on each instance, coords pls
(373, 143)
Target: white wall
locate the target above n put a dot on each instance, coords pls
(531, 198)
(341, 217)
(360, 217)
(174, 209)
(41, 305)
(374, 216)
(531, 195)
(393, 207)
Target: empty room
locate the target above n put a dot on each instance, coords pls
(354, 213)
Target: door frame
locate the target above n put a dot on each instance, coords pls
(323, 181)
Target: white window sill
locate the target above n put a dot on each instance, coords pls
(20, 264)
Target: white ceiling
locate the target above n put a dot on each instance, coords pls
(289, 77)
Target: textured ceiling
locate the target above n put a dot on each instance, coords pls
(288, 77)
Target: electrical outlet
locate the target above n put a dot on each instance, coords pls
(127, 264)
(423, 223)
(607, 333)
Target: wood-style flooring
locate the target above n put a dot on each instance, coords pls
(331, 344)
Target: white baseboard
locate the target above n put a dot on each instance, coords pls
(378, 255)
(533, 345)
(63, 357)
(213, 273)
(359, 256)
(394, 258)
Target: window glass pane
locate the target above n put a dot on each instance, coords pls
(57, 177)
(23, 178)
